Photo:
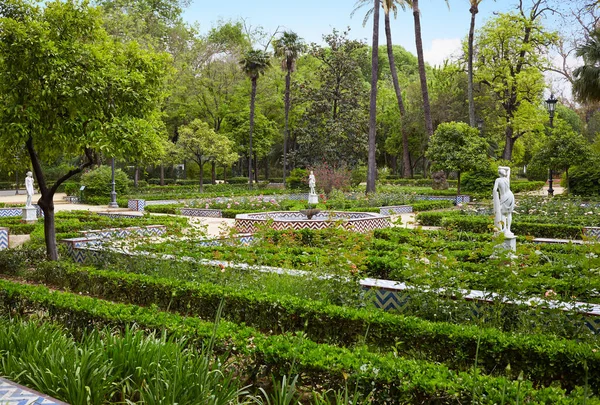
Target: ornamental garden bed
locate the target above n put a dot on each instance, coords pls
(251, 333)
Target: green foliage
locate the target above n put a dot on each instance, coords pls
(480, 181)
(333, 126)
(97, 182)
(359, 175)
(298, 179)
(455, 146)
(104, 365)
(585, 178)
(323, 361)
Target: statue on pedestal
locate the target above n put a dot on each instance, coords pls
(313, 198)
(504, 202)
(29, 189)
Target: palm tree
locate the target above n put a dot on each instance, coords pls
(254, 64)
(288, 47)
(423, 77)
(390, 5)
(586, 85)
(474, 10)
(371, 163)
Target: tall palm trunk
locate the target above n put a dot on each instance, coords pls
(288, 78)
(252, 99)
(406, 166)
(474, 10)
(421, 61)
(372, 164)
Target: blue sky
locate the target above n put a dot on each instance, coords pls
(442, 28)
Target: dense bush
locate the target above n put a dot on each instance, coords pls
(97, 182)
(585, 179)
(237, 180)
(480, 181)
(298, 179)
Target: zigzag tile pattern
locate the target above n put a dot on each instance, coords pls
(390, 300)
(352, 221)
(396, 209)
(4, 238)
(14, 394)
(10, 212)
(150, 230)
(201, 212)
(136, 205)
(115, 215)
(592, 232)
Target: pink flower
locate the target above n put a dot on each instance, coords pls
(550, 293)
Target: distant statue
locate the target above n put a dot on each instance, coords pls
(29, 188)
(312, 183)
(504, 201)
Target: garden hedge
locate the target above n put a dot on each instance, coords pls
(394, 379)
(544, 359)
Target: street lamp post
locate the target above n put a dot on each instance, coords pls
(113, 193)
(551, 106)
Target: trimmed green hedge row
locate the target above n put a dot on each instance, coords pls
(394, 379)
(542, 358)
(483, 224)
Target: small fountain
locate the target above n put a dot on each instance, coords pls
(311, 218)
(311, 212)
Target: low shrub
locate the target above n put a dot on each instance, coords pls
(392, 378)
(237, 180)
(97, 182)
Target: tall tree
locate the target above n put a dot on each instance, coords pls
(288, 47)
(390, 5)
(457, 147)
(334, 125)
(586, 85)
(421, 60)
(254, 64)
(68, 90)
(200, 143)
(511, 61)
(371, 162)
(474, 10)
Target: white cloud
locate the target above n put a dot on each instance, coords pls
(442, 49)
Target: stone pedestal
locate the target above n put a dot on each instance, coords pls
(509, 246)
(510, 243)
(313, 199)
(29, 214)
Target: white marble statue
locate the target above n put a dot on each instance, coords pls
(29, 188)
(312, 182)
(313, 198)
(504, 202)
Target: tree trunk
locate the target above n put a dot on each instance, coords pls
(201, 175)
(255, 164)
(185, 169)
(162, 174)
(422, 74)
(213, 172)
(46, 200)
(372, 164)
(267, 168)
(406, 166)
(509, 143)
(458, 185)
(288, 79)
(136, 175)
(252, 100)
(474, 10)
